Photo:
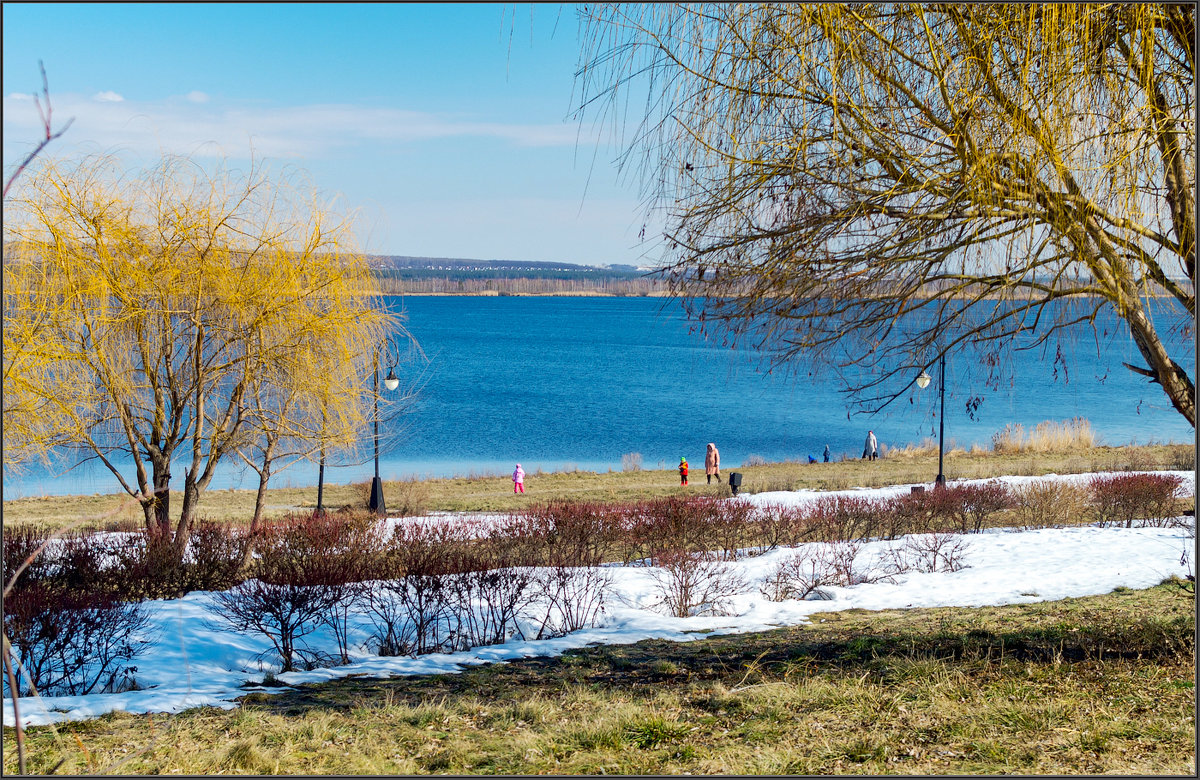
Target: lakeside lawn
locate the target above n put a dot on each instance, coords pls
(1102, 684)
(494, 493)
(1096, 684)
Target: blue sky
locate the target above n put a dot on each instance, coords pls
(447, 127)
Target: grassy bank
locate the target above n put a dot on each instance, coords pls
(1081, 686)
(494, 493)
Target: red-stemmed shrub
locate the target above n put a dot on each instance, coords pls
(975, 504)
(1123, 498)
(490, 589)
(845, 518)
(731, 526)
(572, 539)
(678, 523)
(570, 533)
(783, 526)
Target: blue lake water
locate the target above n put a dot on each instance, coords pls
(578, 382)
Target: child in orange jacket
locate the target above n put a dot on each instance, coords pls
(682, 471)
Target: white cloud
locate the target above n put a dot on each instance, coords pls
(194, 124)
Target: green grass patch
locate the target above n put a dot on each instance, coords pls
(1081, 686)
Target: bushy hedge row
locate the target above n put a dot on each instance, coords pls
(75, 615)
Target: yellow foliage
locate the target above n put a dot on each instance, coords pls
(871, 186)
(172, 315)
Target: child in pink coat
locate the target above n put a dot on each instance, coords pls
(519, 480)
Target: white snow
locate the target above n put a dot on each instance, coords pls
(195, 662)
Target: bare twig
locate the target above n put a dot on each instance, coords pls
(45, 114)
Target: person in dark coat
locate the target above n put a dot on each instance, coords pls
(826, 453)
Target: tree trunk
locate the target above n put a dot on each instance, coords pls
(260, 500)
(191, 499)
(1166, 372)
(160, 501)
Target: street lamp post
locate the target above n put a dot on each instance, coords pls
(923, 382)
(391, 382)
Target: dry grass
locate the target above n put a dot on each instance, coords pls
(494, 492)
(1082, 686)
(1066, 436)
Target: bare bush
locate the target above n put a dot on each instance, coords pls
(841, 559)
(914, 513)
(695, 583)
(802, 574)
(1046, 503)
(798, 576)
(932, 552)
(631, 461)
(574, 598)
(283, 612)
(411, 612)
(491, 590)
(407, 498)
(71, 642)
(976, 504)
(569, 533)
(731, 526)
(308, 568)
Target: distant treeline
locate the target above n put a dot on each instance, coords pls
(456, 276)
(398, 284)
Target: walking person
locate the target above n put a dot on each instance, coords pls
(871, 449)
(519, 480)
(683, 471)
(712, 464)
(826, 453)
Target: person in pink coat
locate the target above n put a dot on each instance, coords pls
(712, 464)
(519, 480)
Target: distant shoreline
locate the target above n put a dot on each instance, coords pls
(507, 294)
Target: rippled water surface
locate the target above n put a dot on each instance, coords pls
(576, 381)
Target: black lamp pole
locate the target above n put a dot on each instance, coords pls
(941, 477)
(376, 502)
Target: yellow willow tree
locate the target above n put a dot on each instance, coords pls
(291, 417)
(871, 186)
(160, 298)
